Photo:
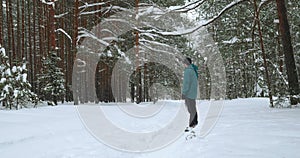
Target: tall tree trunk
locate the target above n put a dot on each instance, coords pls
(41, 33)
(29, 39)
(76, 25)
(18, 35)
(11, 22)
(46, 28)
(280, 53)
(9, 36)
(288, 51)
(263, 53)
(146, 79)
(62, 44)
(1, 24)
(72, 52)
(138, 68)
(35, 58)
(52, 27)
(23, 30)
(52, 36)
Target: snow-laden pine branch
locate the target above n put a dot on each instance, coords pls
(61, 15)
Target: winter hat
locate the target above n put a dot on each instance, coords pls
(187, 61)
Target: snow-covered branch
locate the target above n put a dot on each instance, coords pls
(61, 15)
(90, 12)
(64, 32)
(85, 33)
(203, 23)
(188, 7)
(103, 10)
(47, 2)
(87, 5)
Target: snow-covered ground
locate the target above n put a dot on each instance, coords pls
(246, 128)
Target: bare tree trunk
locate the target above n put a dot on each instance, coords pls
(1, 25)
(46, 28)
(288, 51)
(23, 30)
(280, 53)
(11, 22)
(146, 85)
(35, 60)
(29, 51)
(52, 27)
(41, 30)
(263, 53)
(72, 52)
(138, 68)
(9, 36)
(52, 36)
(18, 35)
(62, 45)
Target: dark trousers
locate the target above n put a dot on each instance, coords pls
(191, 106)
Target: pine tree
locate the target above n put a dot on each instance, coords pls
(14, 84)
(6, 95)
(51, 81)
(6, 85)
(3, 67)
(22, 88)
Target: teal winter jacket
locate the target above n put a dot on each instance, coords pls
(190, 82)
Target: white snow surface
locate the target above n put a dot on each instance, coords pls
(246, 128)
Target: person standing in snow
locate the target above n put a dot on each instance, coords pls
(189, 91)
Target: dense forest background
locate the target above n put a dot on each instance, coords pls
(39, 41)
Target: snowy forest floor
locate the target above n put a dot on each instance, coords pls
(246, 128)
